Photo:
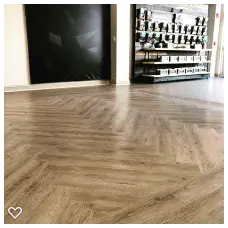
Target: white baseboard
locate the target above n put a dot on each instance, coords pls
(57, 85)
(119, 83)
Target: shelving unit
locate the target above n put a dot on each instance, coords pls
(148, 64)
(167, 63)
(158, 78)
(184, 52)
(172, 75)
(175, 49)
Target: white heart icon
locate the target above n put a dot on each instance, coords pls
(14, 212)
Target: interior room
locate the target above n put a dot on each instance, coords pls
(113, 114)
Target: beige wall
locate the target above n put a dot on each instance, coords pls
(16, 67)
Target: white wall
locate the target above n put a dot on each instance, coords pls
(1, 46)
(123, 43)
(16, 66)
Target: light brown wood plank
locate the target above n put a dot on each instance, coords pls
(129, 154)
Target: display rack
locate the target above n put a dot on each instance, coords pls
(148, 61)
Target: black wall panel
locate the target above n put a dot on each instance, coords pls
(68, 42)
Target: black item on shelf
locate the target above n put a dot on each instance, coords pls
(163, 26)
(204, 31)
(149, 15)
(187, 39)
(181, 39)
(176, 28)
(149, 26)
(137, 36)
(156, 27)
(146, 25)
(188, 29)
(199, 39)
(141, 25)
(199, 30)
(194, 30)
(159, 45)
(193, 40)
(169, 38)
(175, 39)
(169, 28)
(199, 21)
(141, 13)
(182, 29)
(157, 36)
(150, 37)
(174, 18)
(142, 37)
(205, 20)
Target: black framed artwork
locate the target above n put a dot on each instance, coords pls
(68, 42)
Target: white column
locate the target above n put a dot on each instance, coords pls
(120, 44)
(213, 32)
(219, 55)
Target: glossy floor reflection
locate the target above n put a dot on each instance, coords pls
(106, 154)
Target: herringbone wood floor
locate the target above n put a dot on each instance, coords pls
(129, 154)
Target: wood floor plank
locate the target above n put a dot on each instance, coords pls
(129, 154)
